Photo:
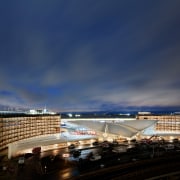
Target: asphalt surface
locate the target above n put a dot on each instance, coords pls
(82, 166)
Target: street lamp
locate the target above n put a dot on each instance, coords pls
(66, 138)
(105, 131)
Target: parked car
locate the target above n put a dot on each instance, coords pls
(175, 140)
(115, 143)
(76, 153)
(105, 144)
(95, 157)
(169, 147)
(96, 143)
(71, 146)
(133, 140)
(28, 155)
(21, 161)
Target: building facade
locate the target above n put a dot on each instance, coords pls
(165, 124)
(15, 127)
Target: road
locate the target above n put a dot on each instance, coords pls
(131, 162)
(58, 167)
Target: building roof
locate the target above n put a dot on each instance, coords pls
(138, 124)
(125, 128)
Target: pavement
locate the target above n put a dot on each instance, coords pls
(9, 167)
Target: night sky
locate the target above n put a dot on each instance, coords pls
(90, 55)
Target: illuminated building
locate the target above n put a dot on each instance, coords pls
(166, 124)
(126, 128)
(18, 126)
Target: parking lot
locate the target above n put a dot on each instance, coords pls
(79, 159)
(105, 154)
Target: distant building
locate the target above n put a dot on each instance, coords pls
(18, 126)
(166, 124)
(144, 113)
(39, 111)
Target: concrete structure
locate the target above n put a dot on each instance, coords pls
(18, 126)
(166, 124)
(23, 131)
(46, 142)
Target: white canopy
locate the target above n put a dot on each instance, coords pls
(125, 128)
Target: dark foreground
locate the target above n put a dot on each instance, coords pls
(137, 163)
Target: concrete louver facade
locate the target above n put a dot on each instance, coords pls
(126, 128)
(167, 124)
(16, 127)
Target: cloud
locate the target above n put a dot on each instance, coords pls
(86, 54)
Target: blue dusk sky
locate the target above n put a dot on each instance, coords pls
(90, 55)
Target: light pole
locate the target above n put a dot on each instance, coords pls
(66, 138)
(105, 132)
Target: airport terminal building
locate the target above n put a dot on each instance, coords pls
(40, 127)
